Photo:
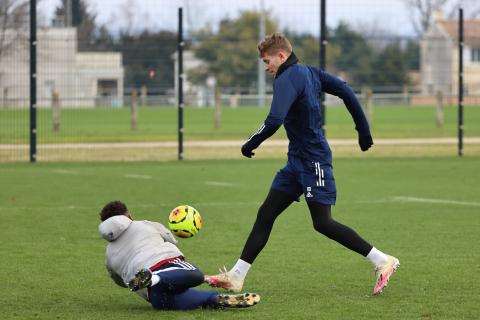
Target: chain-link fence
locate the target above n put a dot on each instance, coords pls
(107, 83)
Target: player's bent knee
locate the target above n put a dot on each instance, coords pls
(189, 279)
(319, 227)
(262, 211)
(324, 228)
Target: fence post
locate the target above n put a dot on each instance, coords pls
(406, 97)
(323, 59)
(439, 109)
(133, 111)
(368, 102)
(218, 109)
(143, 95)
(33, 80)
(180, 45)
(5, 97)
(234, 100)
(55, 111)
(460, 81)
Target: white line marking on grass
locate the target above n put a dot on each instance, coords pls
(63, 171)
(137, 176)
(219, 204)
(437, 201)
(199, 204)
(372, 201)
(219, 184)
(140, 205)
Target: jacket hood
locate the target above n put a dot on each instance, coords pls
(113, 227)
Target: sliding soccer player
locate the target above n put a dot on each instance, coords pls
(143, 256)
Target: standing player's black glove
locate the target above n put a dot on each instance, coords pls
(365, 142)
(247, 150)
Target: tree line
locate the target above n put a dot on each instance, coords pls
(229, 50)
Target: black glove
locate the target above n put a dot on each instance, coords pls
(247, 151)
(365, 142)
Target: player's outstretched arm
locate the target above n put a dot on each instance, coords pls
(266, 130)
(164, 232)
(283, 97)
(339, 88)
(365, 141)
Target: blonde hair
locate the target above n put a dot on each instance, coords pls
(274, 43)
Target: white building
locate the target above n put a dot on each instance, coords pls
(81, 79)
(439, 57)
(196, 95)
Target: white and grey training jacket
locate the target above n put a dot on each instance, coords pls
(135, 245)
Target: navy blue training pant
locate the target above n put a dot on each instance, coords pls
(174, 292)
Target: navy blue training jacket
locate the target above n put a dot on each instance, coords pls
(296, 105)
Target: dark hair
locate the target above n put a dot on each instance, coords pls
(114, 208)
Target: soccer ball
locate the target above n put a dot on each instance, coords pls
(185, 221)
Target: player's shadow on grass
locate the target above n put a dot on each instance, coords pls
(142, 307)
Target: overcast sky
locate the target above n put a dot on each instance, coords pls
(299, 15)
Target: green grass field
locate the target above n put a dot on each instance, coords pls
(423, 210)
(160, 124)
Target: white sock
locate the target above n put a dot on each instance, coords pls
(155, 279)
(377, 257)
(240, 269)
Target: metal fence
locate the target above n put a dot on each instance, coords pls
(106, 67)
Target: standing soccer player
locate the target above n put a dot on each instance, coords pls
(296, 96)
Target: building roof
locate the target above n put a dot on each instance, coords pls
(471, 29)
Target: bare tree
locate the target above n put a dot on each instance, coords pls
(471, 9)
(128, 8)
(375, 32)
(134, 22)
(14, 24)
(422, 11)
(195, 13)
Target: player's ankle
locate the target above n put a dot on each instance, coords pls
(240, 270)
(377, 257)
